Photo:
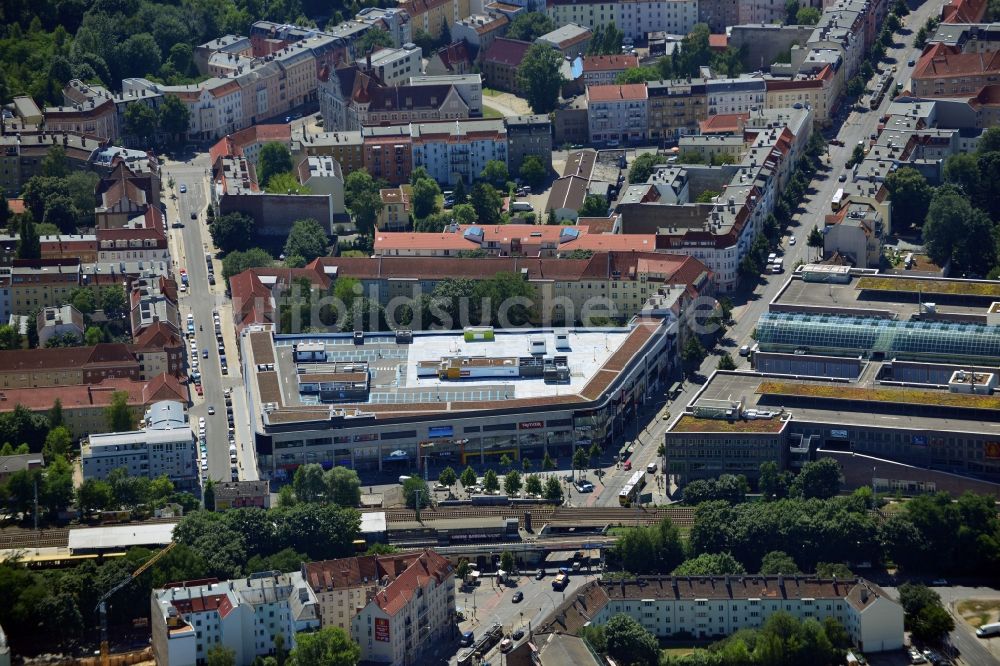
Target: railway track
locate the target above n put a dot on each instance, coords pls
(56, 537)
(539, 512)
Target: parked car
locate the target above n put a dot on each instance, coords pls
(184, 188)
(745, 350)
(518, 634)
(211, 410)
(518, 597)
(540, 575)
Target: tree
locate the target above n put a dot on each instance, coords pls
(553, 490)
(59, 442)
(530, 26)
(818, 478)
(92, 336)
(94, 495)
(772, 484)
(491, 483)
(274, 158)
(910, 194)
(343, 486)
(594, 205)
(657, 549)
(693, 353)
(533, 485)
(629, 643)
(233, 231)
(778, 562)
(425, 197)
(815, 238)
(989, 141)
(807, 16)
(9, 337)
(463, 213)
(726, 362)
(140, 121)
(114, 302)
(447, 477)
(56, 414)
(580, 459)
(308, 483)
(962, 170)
(932, 623)
(714, 564)
(60, 211)
(373, 40)
(220, 655)
(306, 239)
(237, 262)
(286, 183)
(507, 561)
(362, 198)
(512, 483)
(539, 78)
(54, 164)
(414, 488)
(532, 171)
(914, 597)
(468, 477)
(487, 202)
(330, 646)
(174, 117)
(547, 463)
(118, 415)
(494, 173)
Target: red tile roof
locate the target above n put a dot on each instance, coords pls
(609, 63)
(71, 397)
(506, 51)
(944, 61)
(631, 91)
(356, 571)
(724, 123)
(963, 11)
(16, 206)
(455, 56)
(208, 603)
(718, 42)
(427, 567)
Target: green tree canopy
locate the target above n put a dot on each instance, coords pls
(818, 478)
(910, 194)
(539, 78)
(532, 171)
(714, 564)
(361, 194)
(174, 117)
(529, 26)
(807, 16)
(373, 40)
(233, 231)
(629, 643)
(330, 646)
(237, 262)
(28, 243)
(487, 202)
(274, 158)
(425, 197)
(778, 562)
(594, 205)
(306, 239)
(494, 173)
(118, 414)
(343, 486)
(414, 490)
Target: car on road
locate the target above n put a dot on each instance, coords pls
(194, 215)
(836, 142)
(745, 350)
(506, 645)
(184, 189)
(199, 389)
(518, 597)
(518, 634)
(468, 638)
(211, 410)
(843, 178)
(204, 353)
(628, 465)
(791, 240)
(651, 468)
(911, 62)
(584, 487)
(540, 575)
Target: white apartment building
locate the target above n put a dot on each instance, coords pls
(617, 114)
(243, 615)
(166, 445)
(410, 614)
(735, 95)
(717, 606)
(460, 149)
(468, 86)
(394, 66)
(635, 18)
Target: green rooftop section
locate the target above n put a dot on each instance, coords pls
(881, 394)
(689, 423)
(910, 285)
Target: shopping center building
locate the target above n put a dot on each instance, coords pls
(396, 401)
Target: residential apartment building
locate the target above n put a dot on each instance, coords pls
(394, 66)
(344, 587)
(675, 108)
(528, 135)
(604, 69)
(97, 117)
(856, 233)
(814, 91)
(70, 366)
(480, 30)
(85, 405)
(345, 147)
(124, 195)
(405, 618)
(323, 175)
(717, 606)
(242, 615)
(617, 114)
(61, 321)
(452, 59)
(458, 150)
(735, 95)
(719, 14)
(165, 445)
(133, 244)
(432, 15)
(388, 152)
(22, 152)
(153, 302)
(633, 17)
(500, 61)
(395, 213)
(247, 143)
(393, 20)
(944, 71)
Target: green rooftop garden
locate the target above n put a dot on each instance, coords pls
(689, 423)
(910, 285)
(881, 394)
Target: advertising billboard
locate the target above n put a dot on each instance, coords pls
(382, 629)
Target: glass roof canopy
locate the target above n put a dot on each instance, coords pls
(779, 331)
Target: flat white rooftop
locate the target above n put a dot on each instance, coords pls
(120, 537)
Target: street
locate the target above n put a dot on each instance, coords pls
(188, 246)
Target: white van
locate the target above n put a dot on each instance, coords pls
(521, 207)
(987, 630)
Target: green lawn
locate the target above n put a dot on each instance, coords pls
(489, 112)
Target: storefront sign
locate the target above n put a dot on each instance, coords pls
(440, 431)
(382, 629)
(991, 450)
(530, 425)
(839, 434)
(919, 440)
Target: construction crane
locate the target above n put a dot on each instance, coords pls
(102, 605)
